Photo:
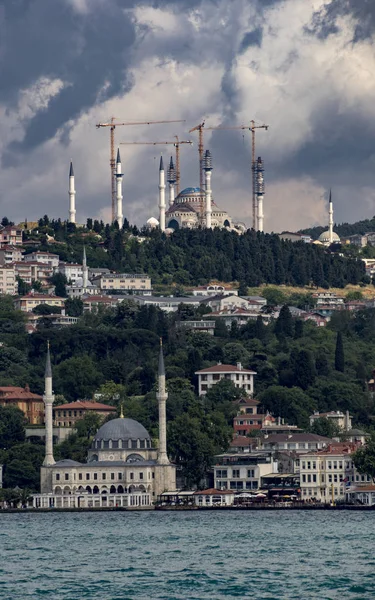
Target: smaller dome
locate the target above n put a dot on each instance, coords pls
(152, 222)
(121, 429)
(324, 237)
(190, 190)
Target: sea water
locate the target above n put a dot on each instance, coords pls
(188, 555)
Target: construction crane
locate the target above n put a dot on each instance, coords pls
(199, 128)
(176, 144)
(113, 124)
(252, 128)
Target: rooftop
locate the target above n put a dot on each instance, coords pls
(85, 405)
(219, 368)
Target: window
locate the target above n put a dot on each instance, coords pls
(80, 476)
(120, 475)
(103, 476)
(309, 478)
(235, 473)
(303, 478)
(221, 473)
(329, 478)
(95, 476)
(141, 476)
(66, 476)
(250, 473)
(131, 475)
(314, 478)
(87, 476)
(236, 485)
(57, 476)
(112, 475)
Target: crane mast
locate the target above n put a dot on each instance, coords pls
(112, 124)
(199, 128)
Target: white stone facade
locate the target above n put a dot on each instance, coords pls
(242, 378)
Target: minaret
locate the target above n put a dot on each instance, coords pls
(72, 196)
(161, 195)
(85, 271)
(48, 399)
(119, 176)
(207, 165)
(330, 223)
(260, 192)
(162, 396)
(171, 181)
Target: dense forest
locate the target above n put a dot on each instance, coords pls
(300, 368)
(344, 229)
(191, 257)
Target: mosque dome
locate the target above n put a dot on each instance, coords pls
(324, 237)
(126, 430)
(189, 191)
(152, 222)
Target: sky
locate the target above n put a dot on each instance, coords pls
(303, 67)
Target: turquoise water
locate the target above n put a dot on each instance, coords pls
(189, 556)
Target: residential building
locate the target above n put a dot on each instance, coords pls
(72, 271)
(214, 290)
(242, 443)
(33, 271)
(248, 418)
(94, 302)
(135, 283)
(56, 320)
(200, 326)
(330, 299)
(355, 240)
(10, 236)
(8, 283)
(241, 316)
(46, 258)
(295, 237)
(31, 404)
(298, 442)
(327, 474)
(221, 302)
(27, 303)
(343, 421)
(242, 471)
(281, 484)
(97, 271)
(242, 378)
(10, 254)
(66, 415)
(167, 303)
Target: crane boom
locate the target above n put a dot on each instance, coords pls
(112, 161)
(176, 144)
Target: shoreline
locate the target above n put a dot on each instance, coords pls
(185, 509)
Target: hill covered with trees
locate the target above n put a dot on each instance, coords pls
(344, 229)
(300, 368)
(191, 257)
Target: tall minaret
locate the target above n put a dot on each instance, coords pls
(260, 192)
(330, 223)
(162, 396)
(161, 195)
(207, 165)
(119, 176)
(48, 399)
(171, 181)
(85, 271)
(72, 196)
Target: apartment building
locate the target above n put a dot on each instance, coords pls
(10, 236)
(72, 271)
(10, 254)
(8, 283)
(242, 471)
(135, 283)
(27, 303)
(327, 474)
(33, 271)
(242, 378)
(46, 258)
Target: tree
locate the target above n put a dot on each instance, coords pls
(298, 329)
(59, 281)
(89, 425)
(364, 458)
(243, 289)
(339, 353)
(325, 427)
(74, 307)
(46, 309)
(23, 287)
(260, 328)
(12, 426)
(284, 323)
(304, 369)
(274, 296)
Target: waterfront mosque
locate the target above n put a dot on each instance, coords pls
(123, 467)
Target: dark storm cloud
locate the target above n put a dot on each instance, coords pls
(362, 11)
(252, 38)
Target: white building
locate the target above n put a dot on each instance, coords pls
(242, 378)
(72, 271)
(46, 258)
(10, 254)
(135, 283)
(328, 474)
(242, 471)
(8, 283)
(167, 303)
(230, 302)
(214, 290)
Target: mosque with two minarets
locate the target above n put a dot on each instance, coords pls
(124, 468)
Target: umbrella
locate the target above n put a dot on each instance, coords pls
(261, 496)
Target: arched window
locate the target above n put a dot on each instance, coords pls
(226, 223)
(95, 490)
(113, 489)
(88, 489)
(133, 458)
(173, 224)
(120, 489)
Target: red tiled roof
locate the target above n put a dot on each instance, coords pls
(242, 440)
(99, 299)
(17, 393)
(224, 369)
(85, 405)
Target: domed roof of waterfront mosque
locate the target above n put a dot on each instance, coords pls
(121, 429)
(324, 237)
